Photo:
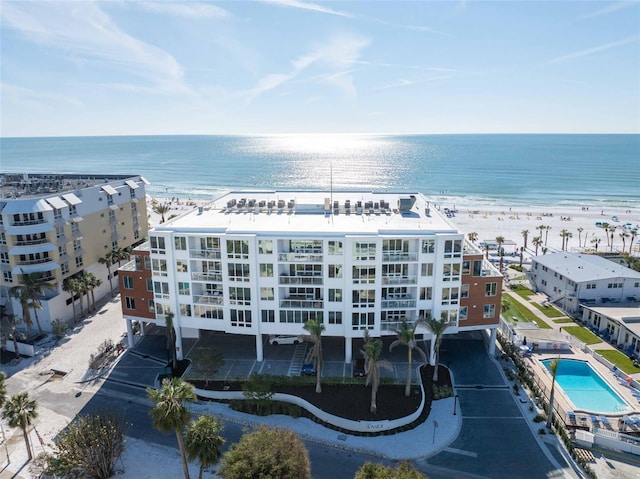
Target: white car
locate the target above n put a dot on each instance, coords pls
(280, 339)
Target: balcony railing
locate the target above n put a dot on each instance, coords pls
(398, 303)
(205, 253)
(301, 304)
(300, 280)
(198, 276)
(397, 256)
(29, 222)
(399, 279)
(208, 299)
(300, 257)
(34, 261)
(31, 242)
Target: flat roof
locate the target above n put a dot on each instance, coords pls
(585, 267)
(314, 212)
(624, 314)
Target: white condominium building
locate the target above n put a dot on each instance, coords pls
(263, 263)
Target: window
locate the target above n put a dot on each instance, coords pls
(450, 296)
(59, 231)
(132, 193)
(266, 270)
(238, 249)
(185, 310)
(466, 267)
(77, 245)
(241, 318)
(157, 245)
(298, 317)
(362, 321)
(464, 291)
(453, 248)
(161, 289)
(426, 293)
(364, 251)
(335, 317)
(265, 247)
(335, 247)
(182, 266)
(489, 311)
(267, 294)
(79, 261)
(364, 275)
(184, 288)
(591, 286)
(240, 296)
(210, 243)
(64, 268)
(363, 298)
(477, 267)
(109, 199)
(180, 243)
(128, 282)
(147, 262)
(464, 313)
(209, 312)
(8, 277)
(636, 285)
(335, 271)
(130, 302)
(238, 272)
(57, 214)
(149, 284)
(451, 272)
(491, 289)
(159, 267)
(268, 315)
(335, 295)
(426, 269)
(429, 246)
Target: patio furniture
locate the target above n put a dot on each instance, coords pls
(605, 421)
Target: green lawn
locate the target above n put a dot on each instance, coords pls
(563, 320)
(521, 312)
(520, 290)
(583, 334)
(549, 311)
(619, 359)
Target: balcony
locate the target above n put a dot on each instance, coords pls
(300, 258)
(33, 261)
(392, 279)
(390, 325)
(398, 256)
(210, 276)
(300, 280)
(301, 304)
(398, 303)
(205, 253)
(29, 222)
(31, 242)
(209, 298)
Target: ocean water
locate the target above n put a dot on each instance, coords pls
(459, 169)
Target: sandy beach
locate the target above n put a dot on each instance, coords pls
(509, 222)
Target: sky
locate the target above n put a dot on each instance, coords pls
(154, 67)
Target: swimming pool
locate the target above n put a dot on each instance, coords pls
(585, 388)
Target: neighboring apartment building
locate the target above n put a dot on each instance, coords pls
(619, 324)
(262, 263)
(58, 226)
(573, 280)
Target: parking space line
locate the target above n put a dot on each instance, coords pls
(461, 452)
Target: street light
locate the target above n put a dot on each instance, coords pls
(455, 400)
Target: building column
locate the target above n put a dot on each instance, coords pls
(259, 348)
(492, 342)
(130, 341)
(348, 349)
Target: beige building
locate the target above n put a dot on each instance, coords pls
(59, 226)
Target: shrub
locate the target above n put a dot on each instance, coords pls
(539, 418)
(59, 328)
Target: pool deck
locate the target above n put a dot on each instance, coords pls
(582, 417)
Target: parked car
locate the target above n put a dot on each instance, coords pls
(281, 339)
(358, 368)
(308, 369)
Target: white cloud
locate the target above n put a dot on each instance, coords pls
(591, 51)
(331, 55)
(34, 98)
(308, 6)
(610, 8)
(184, 9)
(83, 31)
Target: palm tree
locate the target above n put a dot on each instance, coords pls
(553, 368)
(69, 285)
(546, 234)
(372, 363)
(170, 414)
(170, 332)
(525, 235)
(437, 327)
(613, 231)
(202, 441)
(486, 251)
(315, 327)
(20, 411)
(23, 297)
(564, 234)
(521, 256)
(108, 260)
(633, 237)
(3, 388)
(580, 230)
(473, 236)
(121, 254)
(83, 284)
(9, 330)
(407, 337)
(500, 241)
(537, 241)
(35, 288)
(92, 282)
(595, 242)
(606, 231)
(623, 236)
(161, 209)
